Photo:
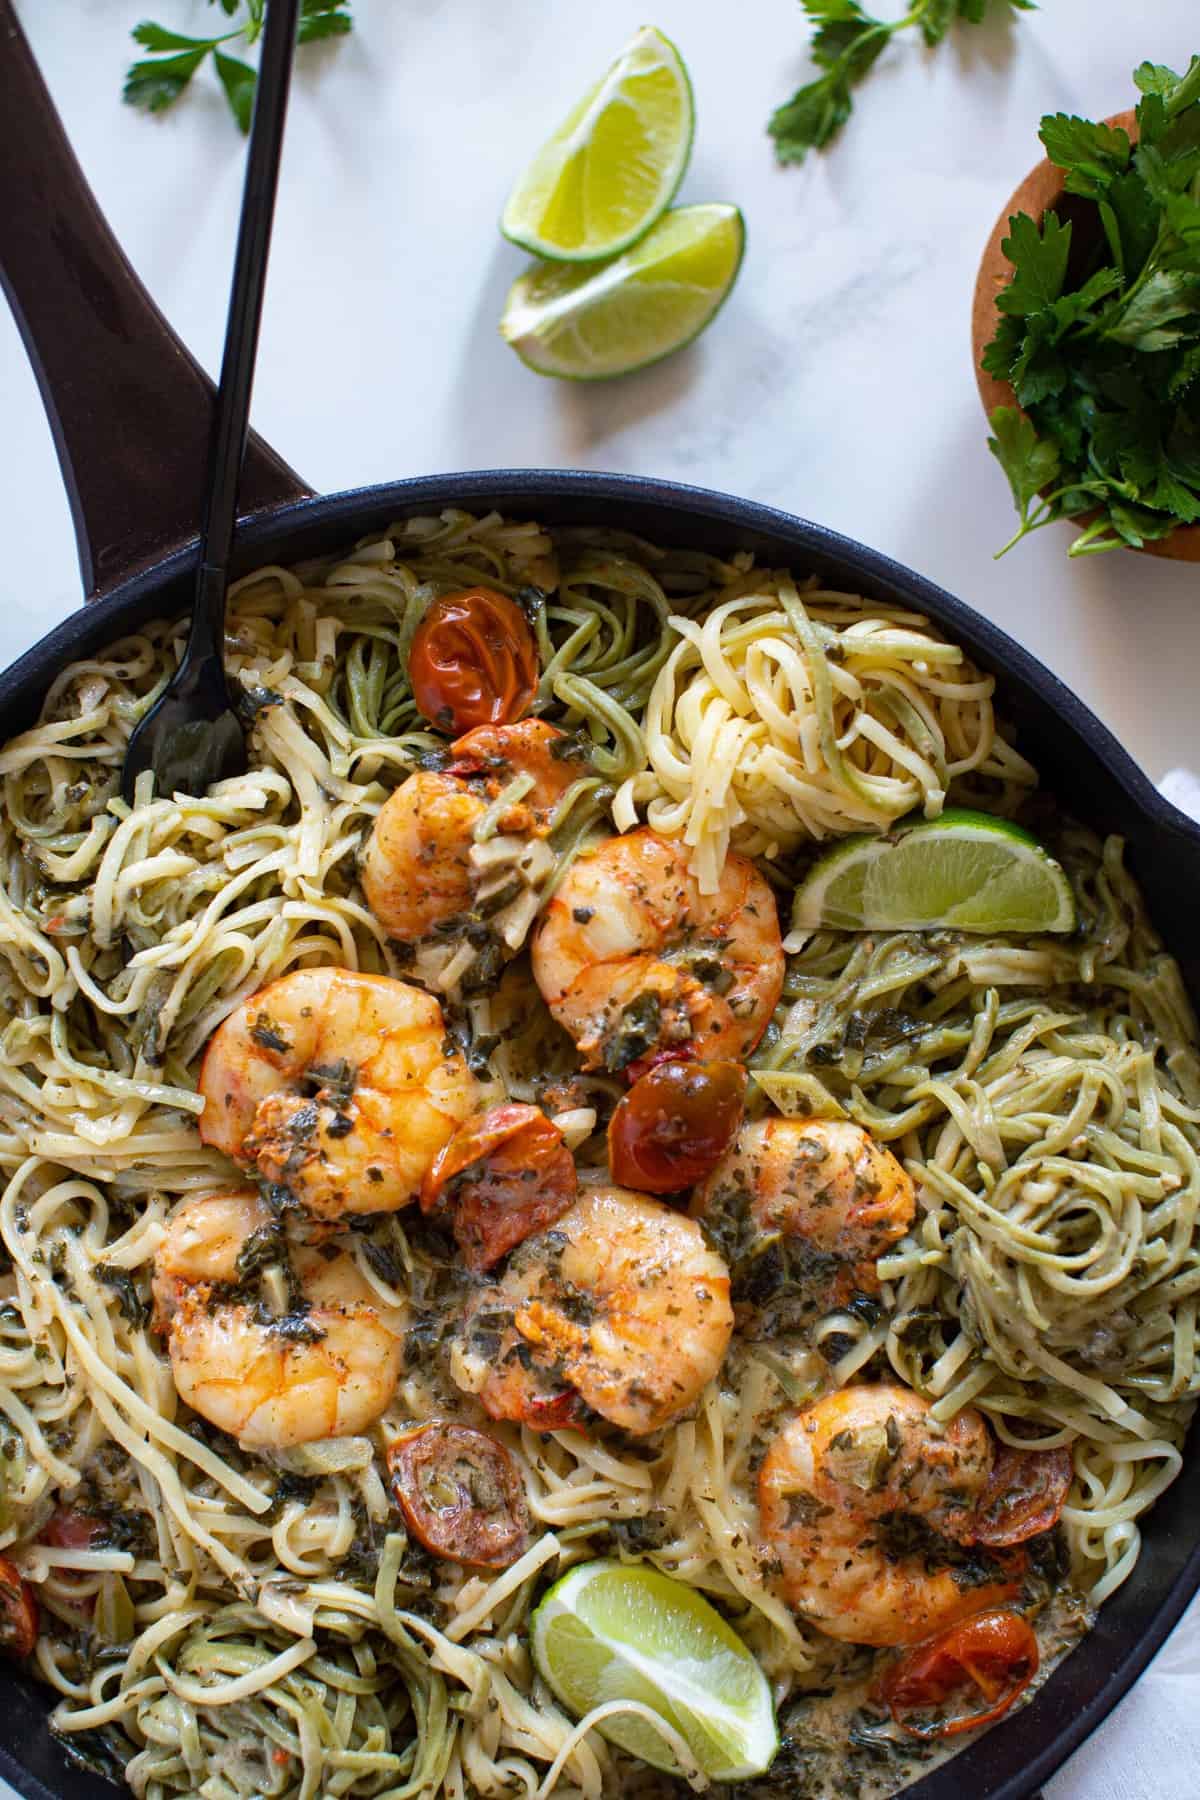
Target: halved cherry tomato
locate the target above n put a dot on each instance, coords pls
(460, 1494)
(18, 1611)
(1025, 1494)
(654, 1059)
(505, 1175)
(675, 1124)
(473, 661)
(993, 1653)
(69, 1529)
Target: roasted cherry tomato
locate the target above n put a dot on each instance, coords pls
(68, 1529)
(993, 1655)
(460, 1494)
(473, 661)
(1025, 1494)
(502, 1176)
(675, 1124)
(18, 1611)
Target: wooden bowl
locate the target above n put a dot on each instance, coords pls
(1041, 191)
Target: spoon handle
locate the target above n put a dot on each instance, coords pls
(231, 421)
(130, 408)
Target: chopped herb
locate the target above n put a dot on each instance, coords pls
(267, 1035)
(637, 1031)
(573, 746)
(292, 1487)
(804, 1509)
(294, 1327)
(129, 1302)
(335, 1081)
(485, 973)
(423, 1338)
(383, 1260)
(503, 896)
(260, 1249)
(635, 1537)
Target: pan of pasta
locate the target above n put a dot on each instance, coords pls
(618, 1216)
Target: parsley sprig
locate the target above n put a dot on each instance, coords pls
(846, 45)
(1099, 334)
(158, 80)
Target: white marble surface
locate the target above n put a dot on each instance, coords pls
(837, 382)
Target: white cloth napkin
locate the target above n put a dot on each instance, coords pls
(1149, 1748)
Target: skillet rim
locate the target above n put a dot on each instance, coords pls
(314, 525)
(348, 506)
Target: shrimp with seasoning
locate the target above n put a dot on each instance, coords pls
(854, 1494)
(325, 1364)
(820, 1190)
(423, 869)
(621, 1308)
(635, 961)
(336, 1087)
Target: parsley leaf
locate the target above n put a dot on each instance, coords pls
(240, 82)
(322, 19)
(847, 43)
(1029, 463)
(157, 85)
(1040, 261)
(154, 37)
(1154, 78)
(1090, 155)
(1098, 332)
(323, 25)
(1162, 312)
(157, 82)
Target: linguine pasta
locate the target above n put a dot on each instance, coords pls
(250, 1625)
(783, 716)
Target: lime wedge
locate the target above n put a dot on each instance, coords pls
(615, 1631)
(966, 871)
(614, 163)
(589, 323)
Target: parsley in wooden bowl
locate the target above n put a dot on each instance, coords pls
(1086, 326)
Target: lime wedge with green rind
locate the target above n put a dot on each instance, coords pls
(590, 323)
(615, 1631)
(614, 164)
(965, 871)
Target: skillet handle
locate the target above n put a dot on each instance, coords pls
(130, 407)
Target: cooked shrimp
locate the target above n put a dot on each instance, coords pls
(632, 958)
(836, 1489)
(421, 867)
(621, 1306)
(326, 1366)
(336, 1086)
(823, 1183)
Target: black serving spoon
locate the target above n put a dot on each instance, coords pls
(192, 736)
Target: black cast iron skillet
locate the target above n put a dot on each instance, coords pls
(131, 411)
